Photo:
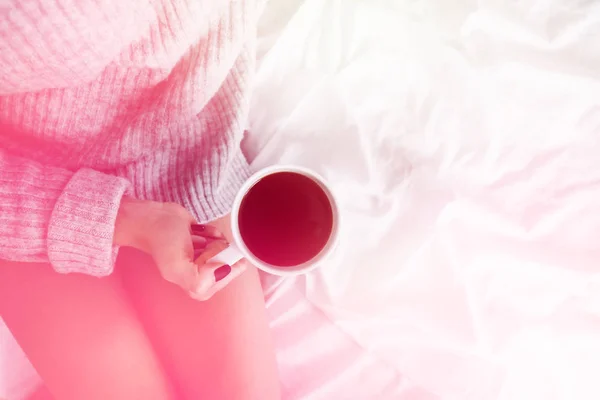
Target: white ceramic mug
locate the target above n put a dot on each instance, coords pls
(238, 249)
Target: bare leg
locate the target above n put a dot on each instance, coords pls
(81, 334)
(42, 393)
(218, 349)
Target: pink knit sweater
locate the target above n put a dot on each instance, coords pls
(99, 98)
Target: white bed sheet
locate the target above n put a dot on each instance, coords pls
(461, 139)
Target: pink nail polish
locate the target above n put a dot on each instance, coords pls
(198, 228)
(222, 272)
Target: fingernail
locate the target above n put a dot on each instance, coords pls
(198, 228)
(222, 272)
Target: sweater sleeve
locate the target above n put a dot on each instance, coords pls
(50, 214)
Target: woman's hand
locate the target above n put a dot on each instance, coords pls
(169, 233)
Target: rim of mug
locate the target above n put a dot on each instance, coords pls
(274, 269)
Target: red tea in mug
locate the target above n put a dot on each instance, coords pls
(285, 219)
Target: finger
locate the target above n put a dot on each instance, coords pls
(212, 249)
(199, 246)
(182, 273)
(200, 243)
(207, 231)
(174, 260)
(214, 277)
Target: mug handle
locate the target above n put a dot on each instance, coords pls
(229, 256)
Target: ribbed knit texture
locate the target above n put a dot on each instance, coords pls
(99, 98)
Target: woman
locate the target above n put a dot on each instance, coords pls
(120, 126)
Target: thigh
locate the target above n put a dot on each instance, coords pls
(42, 393)
(81, 334)
(218, 349)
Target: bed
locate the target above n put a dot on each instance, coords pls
(462, 141)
